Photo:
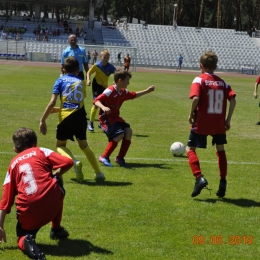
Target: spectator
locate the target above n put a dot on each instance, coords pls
(119, 58)
(94, 56)
(180, 60)
(127, 62)
(125, 26)
(254, 32)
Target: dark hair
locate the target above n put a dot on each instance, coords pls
(24, 138)
(71, 64)
(209, 60)
(122, 74)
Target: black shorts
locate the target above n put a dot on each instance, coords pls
(116, 129)
(96, 89)
(74, 125)
(200, 141)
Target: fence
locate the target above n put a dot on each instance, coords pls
(12, 50)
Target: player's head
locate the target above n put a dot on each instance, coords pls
(104, 56)
(122, 77)
(24, 138)
(72, 40)
(209, 60)
(71, 65)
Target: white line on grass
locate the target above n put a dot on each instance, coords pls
(165, 160)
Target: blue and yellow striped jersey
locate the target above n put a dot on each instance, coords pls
(71, 91)
(102, 73)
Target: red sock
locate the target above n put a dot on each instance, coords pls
(222, 164)
(110, 148)
(57, 220)
(194, 163)
(124, 148)
(20, 242)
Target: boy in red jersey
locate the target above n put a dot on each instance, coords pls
(112, 124)
(256, 95)
(39, 191)
(209, 95)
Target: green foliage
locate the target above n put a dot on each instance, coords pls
(145, 212)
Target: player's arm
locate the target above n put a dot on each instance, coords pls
(86, 68)
(146, 91)
(194, 103)
(104, 108)
(2, 219)
(91, 71)
(256, 88)
(61, 164)
(47, 112)
(230, 112)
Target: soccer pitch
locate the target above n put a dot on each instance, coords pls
(145, 212)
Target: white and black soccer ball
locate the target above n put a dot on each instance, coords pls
(177, 149)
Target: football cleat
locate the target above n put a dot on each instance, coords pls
(200, 183)
(91, 126)
(121, 162)
(31, 249)
(222, 189)
(58, 233)
(105, 161)
(78, 170)
(100, 177)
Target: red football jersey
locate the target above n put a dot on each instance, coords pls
(258, 80)
(113, 99)
(213, 94)
(30, 179)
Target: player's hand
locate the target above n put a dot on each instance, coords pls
(151, 88)
(191, 119)
(255, 95)
(227, 124)
(43, 128)
(106, 110)
(2, 235)
(88, 83)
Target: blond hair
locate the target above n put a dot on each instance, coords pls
(105, 51)
(209, 60)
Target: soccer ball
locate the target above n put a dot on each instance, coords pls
(177, 149)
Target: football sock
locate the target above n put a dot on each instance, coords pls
(93, 113)
(124, 148)
(20, 242)
(222, 164)
(57, 220)
(92, 159)
(66, 152)
(110, 148)
(194, 163)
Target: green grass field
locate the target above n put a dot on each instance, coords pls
(145, 212)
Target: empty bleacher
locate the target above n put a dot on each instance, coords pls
(157, 46)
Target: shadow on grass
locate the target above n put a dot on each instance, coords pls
(136, 135)
(73, 248)
(245, 203)
(105, 183)
(133, 166)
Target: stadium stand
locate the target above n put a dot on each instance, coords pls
(157, 46)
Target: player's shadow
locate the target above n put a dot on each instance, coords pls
(136, 135)
(181, 156)
(73, 248)
(245, 203)
(133, 166)
(104, 183)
